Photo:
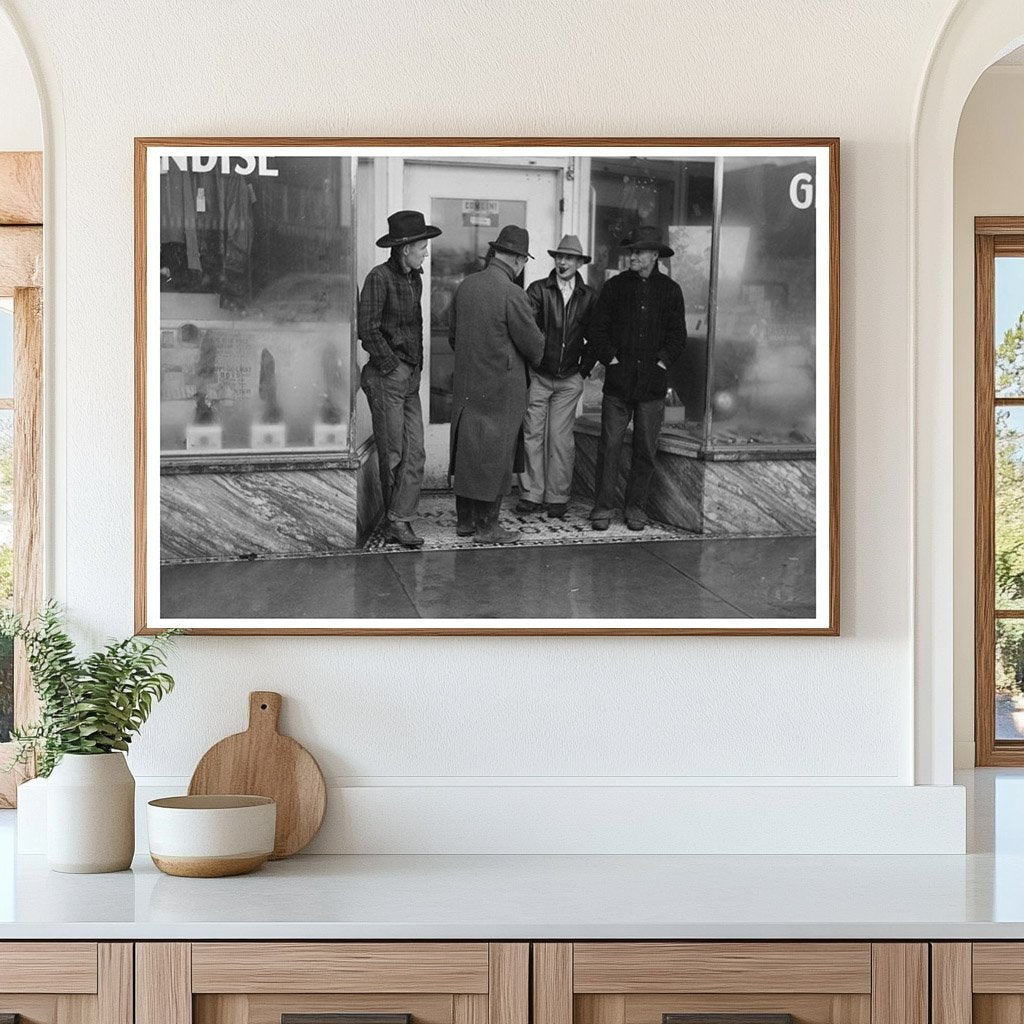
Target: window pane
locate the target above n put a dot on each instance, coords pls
(1009, 327)
(1009, 679)
(676, 197)
(763, 387)
(256, 303)
(6, 353)
(6, 571)
(1009, 513)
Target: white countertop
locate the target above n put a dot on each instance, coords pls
(516, 897)
(976, 896)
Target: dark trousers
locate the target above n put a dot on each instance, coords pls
(398, 429)
(647, 418)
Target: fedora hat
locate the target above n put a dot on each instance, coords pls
(406, 226)
(569, 246)
(513, 239)
(647, 236)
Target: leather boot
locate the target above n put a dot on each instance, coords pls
(466, 510)
(488, 530)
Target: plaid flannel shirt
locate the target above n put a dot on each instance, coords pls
(391, 317)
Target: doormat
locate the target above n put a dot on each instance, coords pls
(436, 519)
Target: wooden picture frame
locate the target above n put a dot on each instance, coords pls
(248, 268)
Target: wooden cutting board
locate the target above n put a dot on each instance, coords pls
(262, 762)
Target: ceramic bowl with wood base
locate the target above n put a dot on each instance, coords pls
(211, 836)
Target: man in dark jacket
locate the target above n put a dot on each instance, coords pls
(562, 304)
(495, 337)
(391, 330)
(638, 331)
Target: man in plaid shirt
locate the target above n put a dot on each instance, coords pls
(391, 331)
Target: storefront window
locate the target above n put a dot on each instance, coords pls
(676, 196)
(762, 390)
(256, 304)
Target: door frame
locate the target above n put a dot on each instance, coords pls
(554, 165)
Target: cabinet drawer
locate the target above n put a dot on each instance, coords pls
(980, 982)
(66, 982)
(730, 983)
(340, 967)
(634, 967)
(329, 982)
(66, 967)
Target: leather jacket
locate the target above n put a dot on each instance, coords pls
(565, 327)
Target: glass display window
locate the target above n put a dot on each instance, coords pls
(762, 380)
(256, 303)
(743, 236)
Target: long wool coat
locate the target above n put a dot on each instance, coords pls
(495, 336)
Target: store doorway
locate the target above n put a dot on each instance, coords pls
(470, 205)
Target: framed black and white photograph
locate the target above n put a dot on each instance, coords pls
(450, 386)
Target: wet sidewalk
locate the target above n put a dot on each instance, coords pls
(735, 578)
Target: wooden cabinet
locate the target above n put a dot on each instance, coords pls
(260, 982)
(978, 983)
(66, 982)
(512, 982)
(650, 982)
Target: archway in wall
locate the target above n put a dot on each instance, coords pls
(977, 33)
(986, 181)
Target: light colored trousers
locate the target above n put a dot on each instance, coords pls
(548, 436)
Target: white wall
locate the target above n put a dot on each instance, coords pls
(432, 716)
(21, 127)
(987, 182)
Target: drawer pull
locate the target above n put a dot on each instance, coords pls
(339, 1018)
(727, 1018)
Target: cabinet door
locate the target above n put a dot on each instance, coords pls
(730, 983)
(66, 982)
(981, 982)
(332, 983)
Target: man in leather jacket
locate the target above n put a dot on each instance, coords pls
(562, 305)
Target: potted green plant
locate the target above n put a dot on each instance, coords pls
(89, 709)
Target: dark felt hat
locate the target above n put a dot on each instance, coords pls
(513, 239)
(647, 236)
(406, 226)
(569, 246)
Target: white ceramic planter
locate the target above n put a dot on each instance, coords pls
(90, 814)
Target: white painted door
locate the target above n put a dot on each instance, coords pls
(471, 204)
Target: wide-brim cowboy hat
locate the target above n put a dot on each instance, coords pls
(570, 246)
(513, 239)
(407, 226)
(647, 236)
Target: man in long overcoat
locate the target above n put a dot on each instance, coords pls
(495, 337)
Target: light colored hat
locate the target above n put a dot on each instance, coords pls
(569, 246)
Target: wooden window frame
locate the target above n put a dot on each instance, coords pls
(21, 274)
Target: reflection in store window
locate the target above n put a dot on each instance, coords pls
(677, 197)
(762, 391)
(256, 270)
(747, 376)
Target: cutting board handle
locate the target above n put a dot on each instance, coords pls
(264, 710)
